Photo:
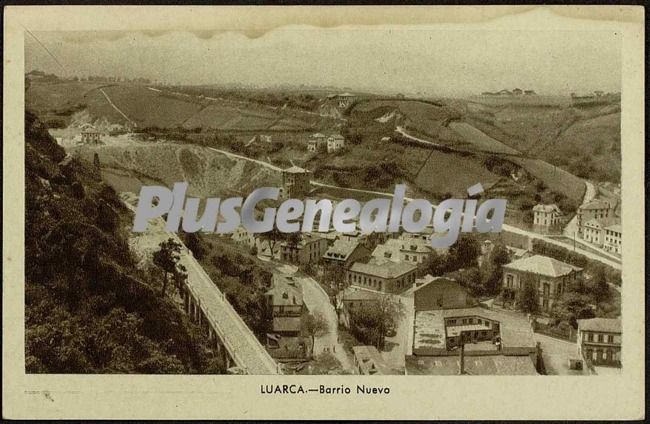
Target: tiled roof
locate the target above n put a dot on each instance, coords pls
(542, 265)
(515, 329)
(352, 294)
(474, 365)
(429, 279)
(389, 250)
(341, 249)
(546, 208)
(595, 204)
(386, 269)
(600, 223)
(282, 324)
(285, 292)
(608, 325)
(616, 227)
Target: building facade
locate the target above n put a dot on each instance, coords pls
(335, 142)
(295, 182)
(596, 209)
(599, 341)
(613, 239)
(547, 218)
(309, 250)
(440, 293)
(384, 277)
(89, 135)
(549, 276)
(317, 143)
(286, 339)
(344, 253)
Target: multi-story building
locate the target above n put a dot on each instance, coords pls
(242, 236)
(90, 135)
(549, 276)
(335, 142)
(385, 276)
(592, 232)
(599, 340)
(413, 250)
(596, 209)
(343, 253)
(295, 182)
(317, 143)
(285, 340)
(613, 239)
(547, 218)
(309, 249)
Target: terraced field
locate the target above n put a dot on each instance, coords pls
(147, 108)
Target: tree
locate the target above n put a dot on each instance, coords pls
(333, 274)
(464, 253)
(571, 307)
(599, 285)
(372, 321)
(528, 297)
(434, 264)
(472, 279)
(193, 243)
(492, 269)
(276, 236)
(166, 258)
(315, 325)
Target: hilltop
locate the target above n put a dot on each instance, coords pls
(529, 151)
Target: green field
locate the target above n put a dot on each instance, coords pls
(585, 140)
(146, 107)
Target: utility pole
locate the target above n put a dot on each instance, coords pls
(461, 371)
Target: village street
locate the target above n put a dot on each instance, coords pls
(571, 229)
(400, 345)
(556, 354)
(317, 301)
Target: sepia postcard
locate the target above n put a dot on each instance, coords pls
(323, 212)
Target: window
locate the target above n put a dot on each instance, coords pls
(610, 339)
(590, 337)
(600, 338)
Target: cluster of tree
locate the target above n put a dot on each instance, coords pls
(462, 261)
(238, 275)
(373, 322)
(88, 307)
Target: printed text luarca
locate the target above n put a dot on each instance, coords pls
(449, 218)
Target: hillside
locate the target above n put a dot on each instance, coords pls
(439, 148)
(584, 140)
(88, 308)
(209, 174)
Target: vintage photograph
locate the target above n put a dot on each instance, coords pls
(344, 116)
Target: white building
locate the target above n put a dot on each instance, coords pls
(613, 239)
(335, 142)
(546, 217)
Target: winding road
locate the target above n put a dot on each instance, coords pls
(613, 262)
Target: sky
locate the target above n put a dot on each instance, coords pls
(406, 59)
